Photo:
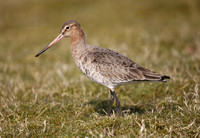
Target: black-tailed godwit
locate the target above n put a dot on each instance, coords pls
(104, 66)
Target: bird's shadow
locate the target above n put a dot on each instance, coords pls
(101, 107)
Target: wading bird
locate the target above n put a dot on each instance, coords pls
(104, 66)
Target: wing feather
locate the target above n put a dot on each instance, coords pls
(119, 68)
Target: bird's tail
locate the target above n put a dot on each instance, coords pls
(164, 77)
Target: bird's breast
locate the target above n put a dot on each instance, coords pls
(92, 70)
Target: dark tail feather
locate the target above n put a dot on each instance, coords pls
(164, 77)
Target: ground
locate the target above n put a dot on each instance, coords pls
(49, 96)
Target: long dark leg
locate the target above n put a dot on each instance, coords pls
(118, 105)
(112, 97)
(111, 102)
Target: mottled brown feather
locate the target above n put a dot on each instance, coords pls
(118, 67)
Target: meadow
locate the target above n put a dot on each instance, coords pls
(49, 96)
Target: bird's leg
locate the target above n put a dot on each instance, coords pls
(118, 105)
(111, 101)
(112, 97)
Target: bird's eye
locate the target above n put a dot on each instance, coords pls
(67, 28)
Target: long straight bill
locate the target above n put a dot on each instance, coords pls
(58, 38)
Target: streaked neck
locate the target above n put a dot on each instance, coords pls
(78, 38)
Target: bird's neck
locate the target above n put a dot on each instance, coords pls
(77, 38)
(77, 43)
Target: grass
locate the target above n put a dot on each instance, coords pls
(49, 96)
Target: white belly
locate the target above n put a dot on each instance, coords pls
(96, 76)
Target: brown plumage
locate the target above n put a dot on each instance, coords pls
(104, 66)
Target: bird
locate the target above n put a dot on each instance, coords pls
(104, 66)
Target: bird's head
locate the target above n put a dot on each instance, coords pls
(70, 28)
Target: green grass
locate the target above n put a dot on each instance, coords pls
(49, 96)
